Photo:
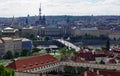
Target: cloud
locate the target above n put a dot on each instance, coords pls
(59, 7)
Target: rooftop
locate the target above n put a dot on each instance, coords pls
(1, 41)
(6, 38)
(8, 28)
(101, 73)
(33, 62)
(25, 39)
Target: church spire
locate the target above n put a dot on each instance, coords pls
(13, 22)
(40, 12)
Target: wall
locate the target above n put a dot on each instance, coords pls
(100, 66)
(17, 45)
(77, 32)
(26, 74)
(2, 51)
(27, 45)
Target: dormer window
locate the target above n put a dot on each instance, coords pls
(24, 66)
(41, 62)
(47, 61)
(36, 63)
(30, 64)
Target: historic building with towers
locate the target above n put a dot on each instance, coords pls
(42, 19)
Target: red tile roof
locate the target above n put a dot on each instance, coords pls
(29, 63)
(101, 73)
(112, 61)
(88, 56)
(109, 73)
(89, 73)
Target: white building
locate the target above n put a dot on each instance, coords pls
(8, 31)
(10, 44)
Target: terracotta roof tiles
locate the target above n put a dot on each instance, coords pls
(29, 63)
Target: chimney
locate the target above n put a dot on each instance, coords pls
(92, 70)
(98, 72)
(85, 73)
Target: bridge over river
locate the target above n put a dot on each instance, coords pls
(68, 44)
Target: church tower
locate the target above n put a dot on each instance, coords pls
(14, 22)
(42, 19)
(40, 13)
(68, 27)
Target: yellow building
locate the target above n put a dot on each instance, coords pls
(27, 31)
(114, 36)
(89, 31)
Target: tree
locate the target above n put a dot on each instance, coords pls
(71, 53)
(8, 55)
(25, 52)
(63, 53)
(103, 47)
(40, 74)
(35, 49)
(48, 50)
(67, 53)
(17, 54)
(101, 62)
(32, 37)
(47, 38)
(6, 71)
(108, 45)
(1, 70)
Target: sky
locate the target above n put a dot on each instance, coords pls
(17, 8)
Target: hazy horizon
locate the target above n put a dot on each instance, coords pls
(21, 8)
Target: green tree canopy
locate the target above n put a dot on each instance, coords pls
(101, 62)
(108, 45)
(8, 55)
(25, 52)
(67, 53)
(17, 54)
(6, 71)
(35, 49)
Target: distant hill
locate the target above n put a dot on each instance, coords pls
(54, 19)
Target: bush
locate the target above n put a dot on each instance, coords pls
(8, 55)
(25, 52)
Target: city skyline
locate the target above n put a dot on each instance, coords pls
(18, 8)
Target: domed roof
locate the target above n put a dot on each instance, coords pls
(8, 28)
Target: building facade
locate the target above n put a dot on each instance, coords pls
(27, 44)
(2, 50)
(52, 31)
(93, 32)
(27, 32)
(8, 31)
(14, 44)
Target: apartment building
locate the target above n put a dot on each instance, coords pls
(14, 44)
(8, 44)
(17, 45)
